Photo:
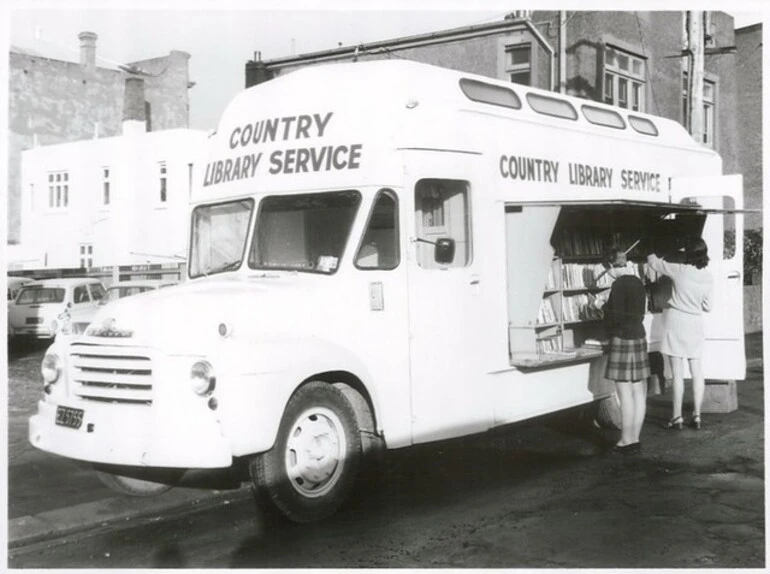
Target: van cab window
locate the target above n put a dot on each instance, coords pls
(219, 236)
(442, 210)
(97, 292)
(80, 294)
(379, 248)
(306, 232)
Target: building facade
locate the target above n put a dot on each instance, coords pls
(636, 60)
(54, 101)
(111, 201)
(748, 42)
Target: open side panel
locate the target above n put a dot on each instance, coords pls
(722, 199)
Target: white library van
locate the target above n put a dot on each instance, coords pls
(384, 254)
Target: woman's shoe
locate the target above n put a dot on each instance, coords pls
(630, 448)
(695, 422)
(677, 423)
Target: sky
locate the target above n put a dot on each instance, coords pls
(222, 35)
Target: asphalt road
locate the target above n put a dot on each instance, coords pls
(539, 494)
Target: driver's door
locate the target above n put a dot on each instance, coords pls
(444, 304)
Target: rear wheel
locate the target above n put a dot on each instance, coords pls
(313, 464)
(139, 481)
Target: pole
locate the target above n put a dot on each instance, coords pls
(695, 73)
(562, 52)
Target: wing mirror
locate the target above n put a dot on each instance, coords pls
(443, 249)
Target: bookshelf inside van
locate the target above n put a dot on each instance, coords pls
(556, 273)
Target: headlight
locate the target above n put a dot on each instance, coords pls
(51, 368)
(202, 378)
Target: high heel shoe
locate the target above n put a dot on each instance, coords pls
(695, 422)
(677, 423)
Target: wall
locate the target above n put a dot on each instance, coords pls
(748, 42)
(54, 101)
(135, 227)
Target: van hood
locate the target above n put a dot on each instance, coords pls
(188, 318)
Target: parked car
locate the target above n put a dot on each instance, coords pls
(75, 321)
(37, 308)
(14, 285)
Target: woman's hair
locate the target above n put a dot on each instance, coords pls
(696, 252)
(615, 257)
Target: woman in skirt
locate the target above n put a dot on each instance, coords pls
(683, 333)
(628, 363)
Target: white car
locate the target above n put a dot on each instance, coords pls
(75, 321)
(37, 308)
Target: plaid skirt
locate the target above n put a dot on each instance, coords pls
(628, 360)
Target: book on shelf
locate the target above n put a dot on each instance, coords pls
(549, 345)
(579, 308)
(546, 313)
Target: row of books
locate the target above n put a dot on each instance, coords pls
(578, 243)
(550, 344)
(579, 308)
(585, 275)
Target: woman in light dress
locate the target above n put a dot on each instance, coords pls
(683, 333)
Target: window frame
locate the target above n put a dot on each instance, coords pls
(58, 183)
(445, 229)
(251, 242)
(397, 231)
(635, 82)
(162, 198)
(709, 109)
(511, 69)
(106, 187)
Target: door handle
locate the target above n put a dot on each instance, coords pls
(734, 275)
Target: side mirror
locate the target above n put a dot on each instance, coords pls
(444, 250)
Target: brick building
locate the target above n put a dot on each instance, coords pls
(635, 60)
(54, 101)
(748, 42)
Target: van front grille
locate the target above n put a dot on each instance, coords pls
(110, 374)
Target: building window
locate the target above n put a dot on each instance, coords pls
(86, 255)
(106, 185)
(58, 189)
(162, 175)
(518, 64)
(624, 79)
(709, 105)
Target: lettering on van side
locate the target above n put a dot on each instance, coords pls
(529, 168)
(231, 170)
(268, 130)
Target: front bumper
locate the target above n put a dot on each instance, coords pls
(132, 435)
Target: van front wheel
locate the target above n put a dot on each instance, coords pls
(313, 464)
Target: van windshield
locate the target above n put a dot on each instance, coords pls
(219, 236)
(306, 232)
(40, 295)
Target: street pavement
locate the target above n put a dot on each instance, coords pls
(51, 497)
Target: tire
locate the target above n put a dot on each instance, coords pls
(608, 412)
(314, 462)
(140, 482)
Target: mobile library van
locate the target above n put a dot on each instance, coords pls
(384, 254)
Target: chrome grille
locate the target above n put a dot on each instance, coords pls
(110, 374)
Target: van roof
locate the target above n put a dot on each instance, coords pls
(407, 82)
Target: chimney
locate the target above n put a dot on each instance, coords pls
(88, 50)
(134, 118)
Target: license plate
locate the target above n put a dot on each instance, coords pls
(69, 417)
